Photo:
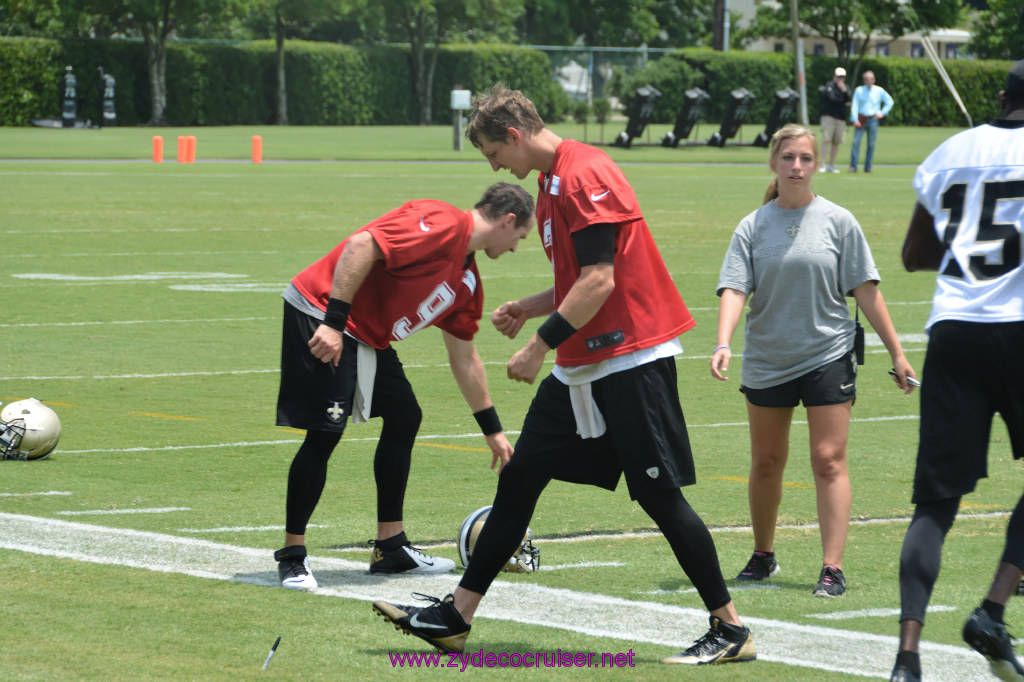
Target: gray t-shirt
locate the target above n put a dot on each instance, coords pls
(796, 267)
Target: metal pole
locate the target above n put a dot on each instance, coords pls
(457, 130)
(798, 49)
(725, 27)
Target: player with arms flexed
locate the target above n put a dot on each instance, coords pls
(411, 268)
(611, 405)
(967, 224)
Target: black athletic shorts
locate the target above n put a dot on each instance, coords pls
(972, 370)
(646, 435)
(317, 396)
(832, 384)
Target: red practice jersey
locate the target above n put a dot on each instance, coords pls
(426, 277)
(584, 187)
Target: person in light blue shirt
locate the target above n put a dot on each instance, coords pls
(870, 105)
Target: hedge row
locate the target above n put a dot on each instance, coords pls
(235, 83)
(921, 98)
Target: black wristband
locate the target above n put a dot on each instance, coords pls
(488, 420)
(337, 314)
(555, 330)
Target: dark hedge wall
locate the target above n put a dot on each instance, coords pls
(921, 98)
(235, 83)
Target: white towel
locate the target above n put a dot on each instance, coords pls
(589, 422)
(366, 372)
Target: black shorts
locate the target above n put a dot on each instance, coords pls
(972, 370)
(832, 384)
(317, 396)
(646, 435)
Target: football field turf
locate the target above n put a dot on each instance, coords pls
(142, 303)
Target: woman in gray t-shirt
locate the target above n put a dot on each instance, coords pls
(797, 258)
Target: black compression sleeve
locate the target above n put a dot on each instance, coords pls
(595, 244)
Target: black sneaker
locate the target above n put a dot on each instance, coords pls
(902, 674)
(991, 640)
(760, 567)
(831, 582)
(440, 624)
(406, 559)
(723, 643)
(293, 568)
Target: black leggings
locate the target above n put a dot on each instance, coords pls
(691, 542)
(514, 504)
(921, 555)
(308, 473)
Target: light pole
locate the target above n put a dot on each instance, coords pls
(798, 48)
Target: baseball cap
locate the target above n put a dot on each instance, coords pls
(840, 71)
(1015, 80)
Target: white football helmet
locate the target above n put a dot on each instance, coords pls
(525, 560)
(28, 430)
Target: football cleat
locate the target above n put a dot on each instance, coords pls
(831, 582)
(28, 430)
(762, 565)
(903, 674)
(991, 640)
(723, 643)
(525, 560)
(406, 560)
(439, 624)
(293, 568)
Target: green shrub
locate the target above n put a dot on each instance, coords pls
(235, 83)
(580, 111)
(26, 90)
(920, 96)
(670, 75)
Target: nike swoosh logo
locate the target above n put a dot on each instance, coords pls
(423, 226)
(843, 387)
(602, 195)
(417, 623)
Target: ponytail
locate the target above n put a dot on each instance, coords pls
(772, 192)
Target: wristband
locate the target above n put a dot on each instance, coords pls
(488, 420)
(336, 316)
(555, 330)
(718, 348)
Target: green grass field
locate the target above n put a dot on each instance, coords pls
(142, 303)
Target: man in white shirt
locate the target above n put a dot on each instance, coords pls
(870, 105)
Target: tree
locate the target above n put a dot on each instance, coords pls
(155, 21)
(279, 18)
(609, 23)
(999, 31)
(35, 18)
(685, 23)
(842, 21)
(426, 24)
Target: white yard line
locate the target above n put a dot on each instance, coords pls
(821, 648)
(436, 436)
(126, 510)
(48, 492)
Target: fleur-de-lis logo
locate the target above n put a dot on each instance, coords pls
(793, 231)
(335, 412)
